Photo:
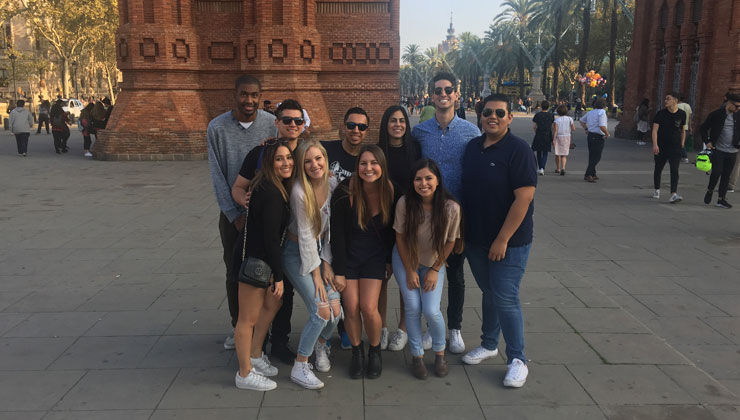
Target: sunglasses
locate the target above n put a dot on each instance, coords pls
(448, 90)
(297, 121)
(500, 113)
(351, 126)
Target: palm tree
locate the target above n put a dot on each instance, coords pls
(557, 11)
(520, 13)
(500, 52)
(584, 45)
(468, 62)
(413, 57)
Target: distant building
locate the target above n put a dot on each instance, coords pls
(451, 42)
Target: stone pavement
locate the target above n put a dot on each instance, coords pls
(112, 302)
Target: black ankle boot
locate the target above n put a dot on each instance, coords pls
(357, 365)
(374, 362)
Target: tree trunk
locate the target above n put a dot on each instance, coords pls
(584, 45)
(65, 77)
(110, 84)
(613, 54)
(544, 78)
(556, 54)
(520, 62)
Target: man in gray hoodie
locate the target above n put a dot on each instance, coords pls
(21, 123)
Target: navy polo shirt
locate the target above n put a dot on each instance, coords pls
(489, 178)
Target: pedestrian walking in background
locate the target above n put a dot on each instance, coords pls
(87, 128)
(427, 226)
(21, 124)
(668, 137)
(721, 133)
(595, 123)
(59, 127)
(542, 124)
(642, 114)
(686, 108)
(562, 130)
(44, 116)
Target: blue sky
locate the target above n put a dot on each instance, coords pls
(425, 22)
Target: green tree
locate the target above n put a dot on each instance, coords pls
(520, 13)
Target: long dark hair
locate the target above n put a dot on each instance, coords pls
(440, 213)
(386, 188)
(408, 140)
(267, 175)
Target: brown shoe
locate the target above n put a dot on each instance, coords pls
(440, 366)
(591, 179)
(418, 368)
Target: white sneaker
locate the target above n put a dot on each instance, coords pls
(322, 357)
(456, 342)
(383, 338)
(426, 341)
(516, 374)
(686, 160)
(479, 354)
(732, 190)
(675, 198)
(263, 366)
(88, 154)
(656, 194)
(303, 376)
(398, 340)
(254, 381)
(229, 341)
(541, 172)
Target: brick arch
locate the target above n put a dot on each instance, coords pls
(663, 16)
(679, 13)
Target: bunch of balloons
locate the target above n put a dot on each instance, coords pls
(592, 79)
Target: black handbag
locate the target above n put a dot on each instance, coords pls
(254, 271)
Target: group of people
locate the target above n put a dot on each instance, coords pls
(94, 116)
(335, 220)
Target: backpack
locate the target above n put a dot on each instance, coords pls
(57, 119)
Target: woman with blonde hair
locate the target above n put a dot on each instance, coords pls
(307, 258)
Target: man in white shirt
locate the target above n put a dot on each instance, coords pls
(595, 124)
(686, 108)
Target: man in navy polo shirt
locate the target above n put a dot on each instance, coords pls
(498, 181)
(443, 139)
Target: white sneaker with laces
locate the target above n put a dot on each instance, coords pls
(322, 357)
(263, 366)
(255, 382)
(516, 374)
(383, 338)
(479, 354)
(426, 341)
(304, 376)
(541, 172)
(88, 154)
(229, 341)
(656, 194)
(675, 198)
(456, 342)
(398, 340)
(685, 160)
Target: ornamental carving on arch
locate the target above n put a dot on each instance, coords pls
(278, 51)
(149, 49)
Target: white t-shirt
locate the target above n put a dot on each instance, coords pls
(246, 124)
(594, 120)
(564, 123)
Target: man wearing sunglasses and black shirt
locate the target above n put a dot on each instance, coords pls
(443, 139)
(343, 154)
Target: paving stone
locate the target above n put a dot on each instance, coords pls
(658, 412)
(211, 388)
(634, 349)
(638, 284)
(725, 412)
(99, 415)
(727, 326)
(22, 415)
(313, 412)
(544, 320)
(726, 303)
(602, 320)
(31, 353)
(188, 300)
(700, 385)
(679, 305)
(558, 348)
(635, 308)
(10, 320)
(214, 322)
(547, 385)
(55, 324)
(31, 390)
(124, 298)
(132, 323)
(686, 330)
(105, 353)
(534, 412)
(430, 412)
(188, 351)
(625, 384)
(206, 413)
(721, 362)
(131, 389)
(548, 297)
(398, 387)
(52, 300)
(9, 298)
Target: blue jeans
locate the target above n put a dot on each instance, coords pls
(542, 158)
(502, 312)
(417, 302)
(304, 285)
(21, 141)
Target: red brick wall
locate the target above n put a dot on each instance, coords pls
(178, 72)
(717, 34)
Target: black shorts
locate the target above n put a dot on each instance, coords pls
(371, 268)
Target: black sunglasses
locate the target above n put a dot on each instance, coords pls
(501, 113)
(448, 90)
(297, 121)
(351, 126)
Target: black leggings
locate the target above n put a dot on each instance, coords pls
(660, 160)
(722, 164)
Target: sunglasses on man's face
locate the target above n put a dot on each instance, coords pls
(448, 90)
(288, 120)
(500, 113)
(351, 126)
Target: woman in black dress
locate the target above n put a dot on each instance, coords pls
(542, 135)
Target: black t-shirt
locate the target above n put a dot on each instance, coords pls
(251, 163)
(341, 163)
(670, 126)
(399, 166)
(544, 121)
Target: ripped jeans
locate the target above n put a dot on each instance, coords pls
(304, 285)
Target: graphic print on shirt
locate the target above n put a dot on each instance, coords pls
(339, 172)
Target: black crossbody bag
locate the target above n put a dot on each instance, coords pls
(254, 271)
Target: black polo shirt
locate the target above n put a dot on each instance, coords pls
(489, 179)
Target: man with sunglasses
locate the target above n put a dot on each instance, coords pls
(443, 139)
(721, 133)
(342, 154)
(230, 136)
(498, 182)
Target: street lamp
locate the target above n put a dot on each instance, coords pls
(12, 58)
(74, 70)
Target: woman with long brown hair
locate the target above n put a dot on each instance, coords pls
(361, 243)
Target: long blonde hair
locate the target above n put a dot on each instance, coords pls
(313, 212)
(385, 188)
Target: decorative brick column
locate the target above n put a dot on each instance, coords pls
(179, 60)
